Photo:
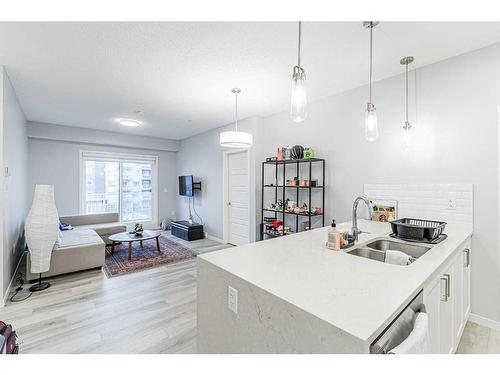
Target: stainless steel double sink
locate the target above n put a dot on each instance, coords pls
(376, 249)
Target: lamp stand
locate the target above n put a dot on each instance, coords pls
(38, 287)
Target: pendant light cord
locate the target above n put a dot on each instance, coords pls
(371, 57)
(236, 111)
(406, 93)
(300, 39)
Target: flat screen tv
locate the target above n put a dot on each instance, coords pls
(186, 185)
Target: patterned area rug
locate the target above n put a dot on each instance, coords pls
(117, 264)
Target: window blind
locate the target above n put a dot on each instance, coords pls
(117, 157)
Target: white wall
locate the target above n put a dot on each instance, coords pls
(57, 163)
(201, 156)
(453, 108)
(454, 112)
(40, 130)
(14, 182)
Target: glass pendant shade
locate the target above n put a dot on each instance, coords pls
(236, 139)
(371, 125)
(298, 105)
(371, 122)
(298, 109)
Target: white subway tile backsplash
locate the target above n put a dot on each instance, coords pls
(428, 201)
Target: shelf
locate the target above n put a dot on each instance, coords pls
(290, 213)
(316, 174)
(291, 161)
(300, 187)
(275, 235)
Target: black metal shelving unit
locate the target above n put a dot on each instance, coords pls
(284, 189)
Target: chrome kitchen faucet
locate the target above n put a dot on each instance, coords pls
(355, 229)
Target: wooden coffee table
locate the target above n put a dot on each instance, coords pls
(126, 237)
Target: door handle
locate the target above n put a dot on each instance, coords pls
(228, 203)
(467, 254)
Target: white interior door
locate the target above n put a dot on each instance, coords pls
(238, 198)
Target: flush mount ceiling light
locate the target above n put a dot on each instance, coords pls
(129, 123)
(236, 139)
(371, 125)
(407, 126)
(298, 108)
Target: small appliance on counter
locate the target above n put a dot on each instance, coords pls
(418, 230)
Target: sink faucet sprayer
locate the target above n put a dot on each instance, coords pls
(355, 229)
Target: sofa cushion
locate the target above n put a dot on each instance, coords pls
(104, 229)
(80, 237)
(88, 219)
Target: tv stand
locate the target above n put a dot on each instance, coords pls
(189, 232)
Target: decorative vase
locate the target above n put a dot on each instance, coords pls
(42, 228)
(138, 230)
(297, 152)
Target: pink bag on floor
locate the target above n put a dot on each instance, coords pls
(8, 339)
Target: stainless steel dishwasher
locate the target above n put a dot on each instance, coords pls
(400, 328)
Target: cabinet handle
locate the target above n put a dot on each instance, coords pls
(448, 283)
(445, 297)
(467, 254)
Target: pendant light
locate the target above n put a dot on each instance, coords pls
(298, 108)
(236, 139)
(407, 126)
(371, 126)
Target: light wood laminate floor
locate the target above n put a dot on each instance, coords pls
(148, 312)
(478, 339)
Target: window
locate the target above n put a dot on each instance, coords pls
(119, 183)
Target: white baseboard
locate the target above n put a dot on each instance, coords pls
(216, 239)
(487, 322)
(7, 294)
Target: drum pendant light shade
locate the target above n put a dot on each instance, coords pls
(235, 138)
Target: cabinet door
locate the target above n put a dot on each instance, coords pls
(446, 334)
(466, 283)
(432, 302)
(457, 297)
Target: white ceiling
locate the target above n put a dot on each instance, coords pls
(181, 74)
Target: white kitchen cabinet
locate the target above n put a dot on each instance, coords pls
(458, 296)
(446, 306)
(466, 282)
(447, 302)
(432, 302)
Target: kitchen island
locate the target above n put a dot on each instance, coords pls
(293, 295)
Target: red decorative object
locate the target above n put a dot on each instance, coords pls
(277, 223)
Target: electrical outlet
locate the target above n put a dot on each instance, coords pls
(452, 204)
(232, 299)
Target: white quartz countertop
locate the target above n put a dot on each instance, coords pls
(357, 295)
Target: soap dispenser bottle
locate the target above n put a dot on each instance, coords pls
(333, 237)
